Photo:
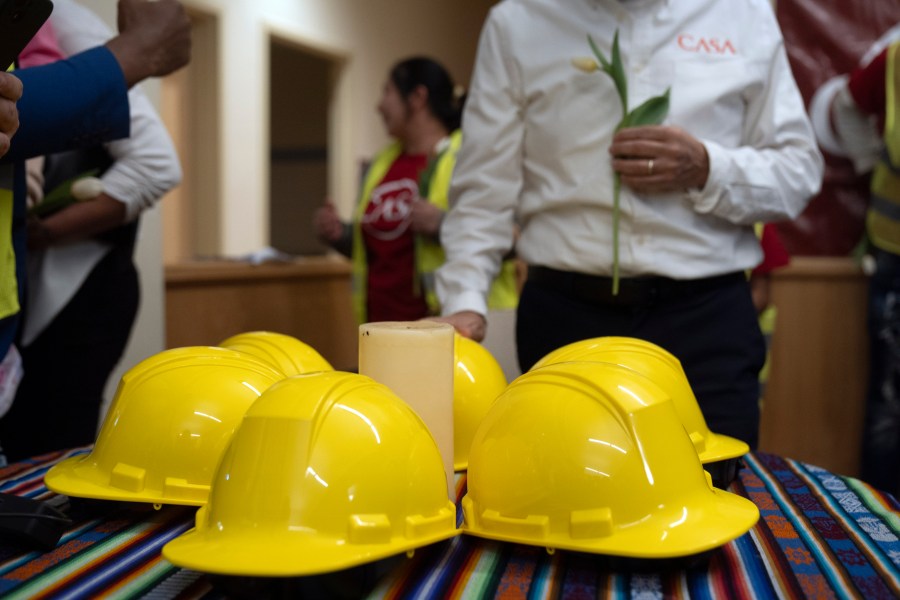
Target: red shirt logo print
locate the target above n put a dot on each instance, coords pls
(705, 45)
(388, 214)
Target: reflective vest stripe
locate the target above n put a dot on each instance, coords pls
(887, 208)
(9, 290)
(886, 161)
(883, 218)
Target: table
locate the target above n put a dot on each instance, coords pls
(820, 535)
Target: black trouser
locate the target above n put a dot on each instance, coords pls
(881, 434)
(67, 366)
(710, 325)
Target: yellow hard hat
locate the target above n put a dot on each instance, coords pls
(665, 370)
(284, 352)
(167, 427)
(327, 471)
(592, 457)
(477, 381)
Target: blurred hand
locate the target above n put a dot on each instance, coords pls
(659, 159)
(426, 218)
(467, 323)
(154, 38)
(328, 224)
(10, 92)
(34, 179)
(759, 290)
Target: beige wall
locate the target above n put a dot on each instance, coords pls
(364, 37)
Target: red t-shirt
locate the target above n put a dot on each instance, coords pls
(775, 255)
(389, 243)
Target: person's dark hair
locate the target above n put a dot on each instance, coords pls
(442, 100)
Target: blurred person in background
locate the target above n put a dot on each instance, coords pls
(857, 115)
(394, 238)
(546, 147)
(154, 39)
(83, 291)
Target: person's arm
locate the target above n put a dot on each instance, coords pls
(94, 108)
(332, 231)
(779, 168)
(10, 92)
(76, 222)
(770, 176)
(478, 229)
(153, 40)
(344, 243)
(145, 164)
(857, 113)
(426, 219)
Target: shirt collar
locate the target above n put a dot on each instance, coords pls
(662, 7)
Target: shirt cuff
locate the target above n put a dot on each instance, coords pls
(467, 300)
(704, 200)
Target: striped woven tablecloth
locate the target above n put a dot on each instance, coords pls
(820, 536)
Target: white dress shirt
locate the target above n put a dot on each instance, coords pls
(145, 167)
(536, 133)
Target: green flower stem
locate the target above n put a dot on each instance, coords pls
(652, 112)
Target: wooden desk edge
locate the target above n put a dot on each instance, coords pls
(224, 271)
(828, 267)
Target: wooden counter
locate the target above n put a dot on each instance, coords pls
(814, 404)
(308, 298)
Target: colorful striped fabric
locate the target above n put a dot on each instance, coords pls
(820, 535)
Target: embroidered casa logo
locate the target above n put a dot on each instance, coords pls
(705, 45)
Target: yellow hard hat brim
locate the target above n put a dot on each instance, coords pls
(713, 523)
(722, 447)
(76, 477)
(267, 555)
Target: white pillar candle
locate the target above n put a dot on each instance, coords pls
(415, 360)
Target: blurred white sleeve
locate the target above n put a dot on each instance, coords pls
(856, 131)
(146, 165)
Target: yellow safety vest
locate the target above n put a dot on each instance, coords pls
(9, 290)
(883, 217)
(9, 287)
(429, 254)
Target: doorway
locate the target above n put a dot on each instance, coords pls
(301, 95)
